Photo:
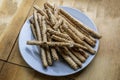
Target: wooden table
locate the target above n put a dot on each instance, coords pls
(105, 14)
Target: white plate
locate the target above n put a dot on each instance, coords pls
(31, 55)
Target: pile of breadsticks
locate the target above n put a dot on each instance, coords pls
(59, 34)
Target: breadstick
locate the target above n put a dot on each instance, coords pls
(51, 17)
(40, 11)
(68, 59)
(78, 55)
(57, 38)
(43, 57)
(77, 61)
(49, 59)
(39, 21)
(49, 5)
(33, 31)
(37, 25)
(54, 9)
(43, 54)
(44, 38)
(54, 54)
(53, 50)
(79, 24)
(57, 25)
(53, 32)
(44, 27)
(51, 44)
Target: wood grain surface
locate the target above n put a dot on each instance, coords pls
(17, 18)
(15, 56)
(104, 13)
(15, 72)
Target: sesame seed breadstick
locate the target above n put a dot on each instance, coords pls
(33, 31)
(51, 44)
(53, 50)
(54, 54)
(48, 56)
(44, 35)
(57, 38)
(43, 57)
(37, 25)
(51, 17)
(44, 29)
(43, 54)
(53, 32)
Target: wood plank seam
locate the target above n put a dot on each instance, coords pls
(8, 32)
(19, 30)
(13, 63)
(19, 65)
(2, 66)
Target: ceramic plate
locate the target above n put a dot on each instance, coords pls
(31, 55)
